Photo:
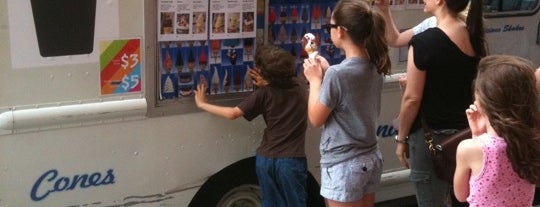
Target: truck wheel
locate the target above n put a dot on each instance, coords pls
(237, 185)
(243, 195)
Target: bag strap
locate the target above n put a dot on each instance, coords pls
(429, 137)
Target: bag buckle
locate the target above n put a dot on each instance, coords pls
(429, 142)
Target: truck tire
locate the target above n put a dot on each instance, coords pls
(237, 185)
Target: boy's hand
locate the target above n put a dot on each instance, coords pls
(200, 93)
(258, 80)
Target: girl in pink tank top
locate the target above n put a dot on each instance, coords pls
(497, 182)
(500, 166)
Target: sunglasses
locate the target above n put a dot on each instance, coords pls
(329, 27)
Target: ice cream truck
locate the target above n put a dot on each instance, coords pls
(96, 97)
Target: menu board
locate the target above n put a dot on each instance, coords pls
(290, 20)
(212, 39)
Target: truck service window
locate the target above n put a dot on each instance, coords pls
(195, 42)
(522, 6)
(217, 41)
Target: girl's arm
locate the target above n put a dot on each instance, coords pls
(317, 112)
(314, 71)
(463, 171)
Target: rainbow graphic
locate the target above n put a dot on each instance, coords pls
(120, 66)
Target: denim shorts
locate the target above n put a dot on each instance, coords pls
(350, 180)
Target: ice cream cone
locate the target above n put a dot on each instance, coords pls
(310, 45)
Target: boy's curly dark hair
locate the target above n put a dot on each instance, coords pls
(276, 65)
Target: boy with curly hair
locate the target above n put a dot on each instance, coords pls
(281, 163)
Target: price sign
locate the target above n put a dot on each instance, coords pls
(120, 64)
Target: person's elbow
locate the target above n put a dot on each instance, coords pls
(461, 198)
(316, 123)
(411, 100)
(460, 192)
(399, 40)
(395, 43)
(233, 114)
(461, 187)
(317, 119)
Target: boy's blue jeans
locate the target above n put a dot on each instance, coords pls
(283, 181)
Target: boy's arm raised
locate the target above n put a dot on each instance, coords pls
(230, 113)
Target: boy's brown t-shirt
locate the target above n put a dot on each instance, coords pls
(285, 112)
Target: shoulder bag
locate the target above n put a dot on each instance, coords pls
(443, 153)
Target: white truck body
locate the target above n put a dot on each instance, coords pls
(63, 144)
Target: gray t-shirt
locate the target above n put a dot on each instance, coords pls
(352, 90)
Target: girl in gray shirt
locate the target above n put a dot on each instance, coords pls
(345, 100)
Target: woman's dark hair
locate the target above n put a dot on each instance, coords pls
(475, 22)
(505, 87)
(276, 65)
(366, 28)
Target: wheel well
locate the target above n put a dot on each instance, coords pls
(239, 173)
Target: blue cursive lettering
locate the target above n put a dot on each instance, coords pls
(510, 28)
(50, 182)
(492, 30)
(386, 131)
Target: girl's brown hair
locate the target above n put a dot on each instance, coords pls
(506, 89)
(366, 28)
